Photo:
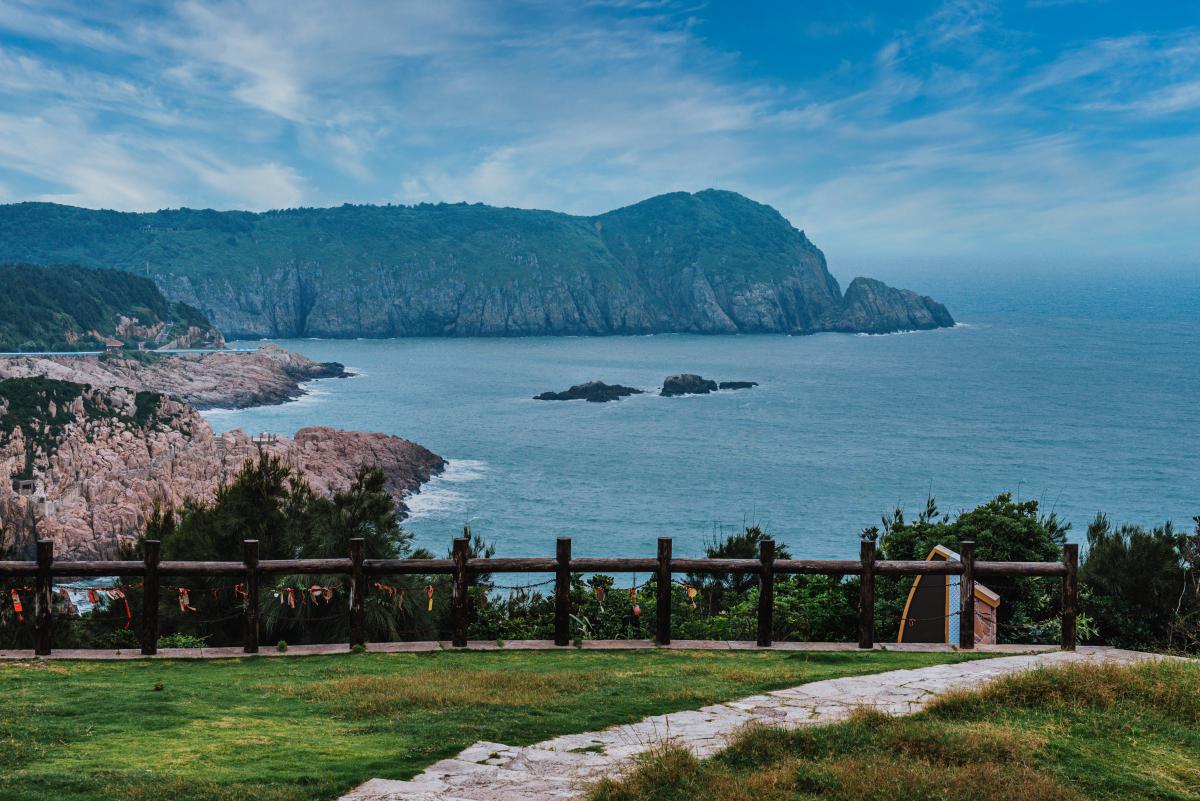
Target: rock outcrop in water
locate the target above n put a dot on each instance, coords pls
(711, 262)
(692, 384)
(95, 462)
(226, 380)
(687, 384)
(592, 391)
(873, 307)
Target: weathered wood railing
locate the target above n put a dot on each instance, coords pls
(462, 567)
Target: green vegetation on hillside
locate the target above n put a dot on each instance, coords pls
(470, 241)
(285, 729)
(1103, 733)
(66, 307)
(709, 262)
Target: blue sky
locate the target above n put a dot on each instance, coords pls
(966, 129)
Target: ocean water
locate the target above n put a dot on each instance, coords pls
(1088, 403)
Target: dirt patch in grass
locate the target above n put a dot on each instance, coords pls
(374, 696)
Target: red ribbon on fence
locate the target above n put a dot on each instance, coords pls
(394, 593)
(16, 602)
(119, 594)
(637, 610)
(185, 603)
(287, 596)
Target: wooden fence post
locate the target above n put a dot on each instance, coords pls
(250, 601)
(562, 592)
(151, 550)
(358, 592)
(662, 628)
(866, 596)
(43, 599)
(766, 592)
(966, 596)
(460, 600)
(1070, 599)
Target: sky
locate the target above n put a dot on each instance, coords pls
(961, 130)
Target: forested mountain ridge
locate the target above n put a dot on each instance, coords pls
(708, 262)
(68, 308)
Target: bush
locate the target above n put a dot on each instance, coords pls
(1143, 586)
(181, 641)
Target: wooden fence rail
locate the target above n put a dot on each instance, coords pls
(462, 568)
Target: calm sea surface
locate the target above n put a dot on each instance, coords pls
(1082, 394)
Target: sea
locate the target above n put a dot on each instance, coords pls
(1080, 391)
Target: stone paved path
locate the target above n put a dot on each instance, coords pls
(561, 767)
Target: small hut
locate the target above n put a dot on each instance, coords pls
(932, 609)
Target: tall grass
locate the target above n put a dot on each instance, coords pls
(1083, 731)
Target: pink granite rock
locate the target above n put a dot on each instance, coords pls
(98, 474)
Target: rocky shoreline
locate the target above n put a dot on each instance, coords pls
(268, 377)
(89, 465)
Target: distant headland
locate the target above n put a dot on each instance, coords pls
(711, 262)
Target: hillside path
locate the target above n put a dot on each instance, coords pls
(562, 767)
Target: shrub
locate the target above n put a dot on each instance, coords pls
(1143, 586)
(181, 641)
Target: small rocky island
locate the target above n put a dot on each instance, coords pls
(591, 391)
(673, 385)
(692, 384)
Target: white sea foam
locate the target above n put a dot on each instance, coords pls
(889, 334)
(312, 395)
(444, 493)
(916, 331)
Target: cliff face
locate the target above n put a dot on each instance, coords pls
(709, 262)
(98, 460)
(226, 380)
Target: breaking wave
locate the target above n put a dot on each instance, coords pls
(445, 493)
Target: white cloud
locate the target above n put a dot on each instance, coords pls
(952, 134)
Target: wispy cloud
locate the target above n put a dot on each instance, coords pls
(957, 130)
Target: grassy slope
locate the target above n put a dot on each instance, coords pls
(313, 727)
(1080, 732)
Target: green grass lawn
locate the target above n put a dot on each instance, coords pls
(1078, 732)
(313, 727)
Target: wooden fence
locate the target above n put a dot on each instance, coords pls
(462, 567)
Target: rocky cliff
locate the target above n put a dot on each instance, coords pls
(708, 262)
(85, 466)
(227, 380)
